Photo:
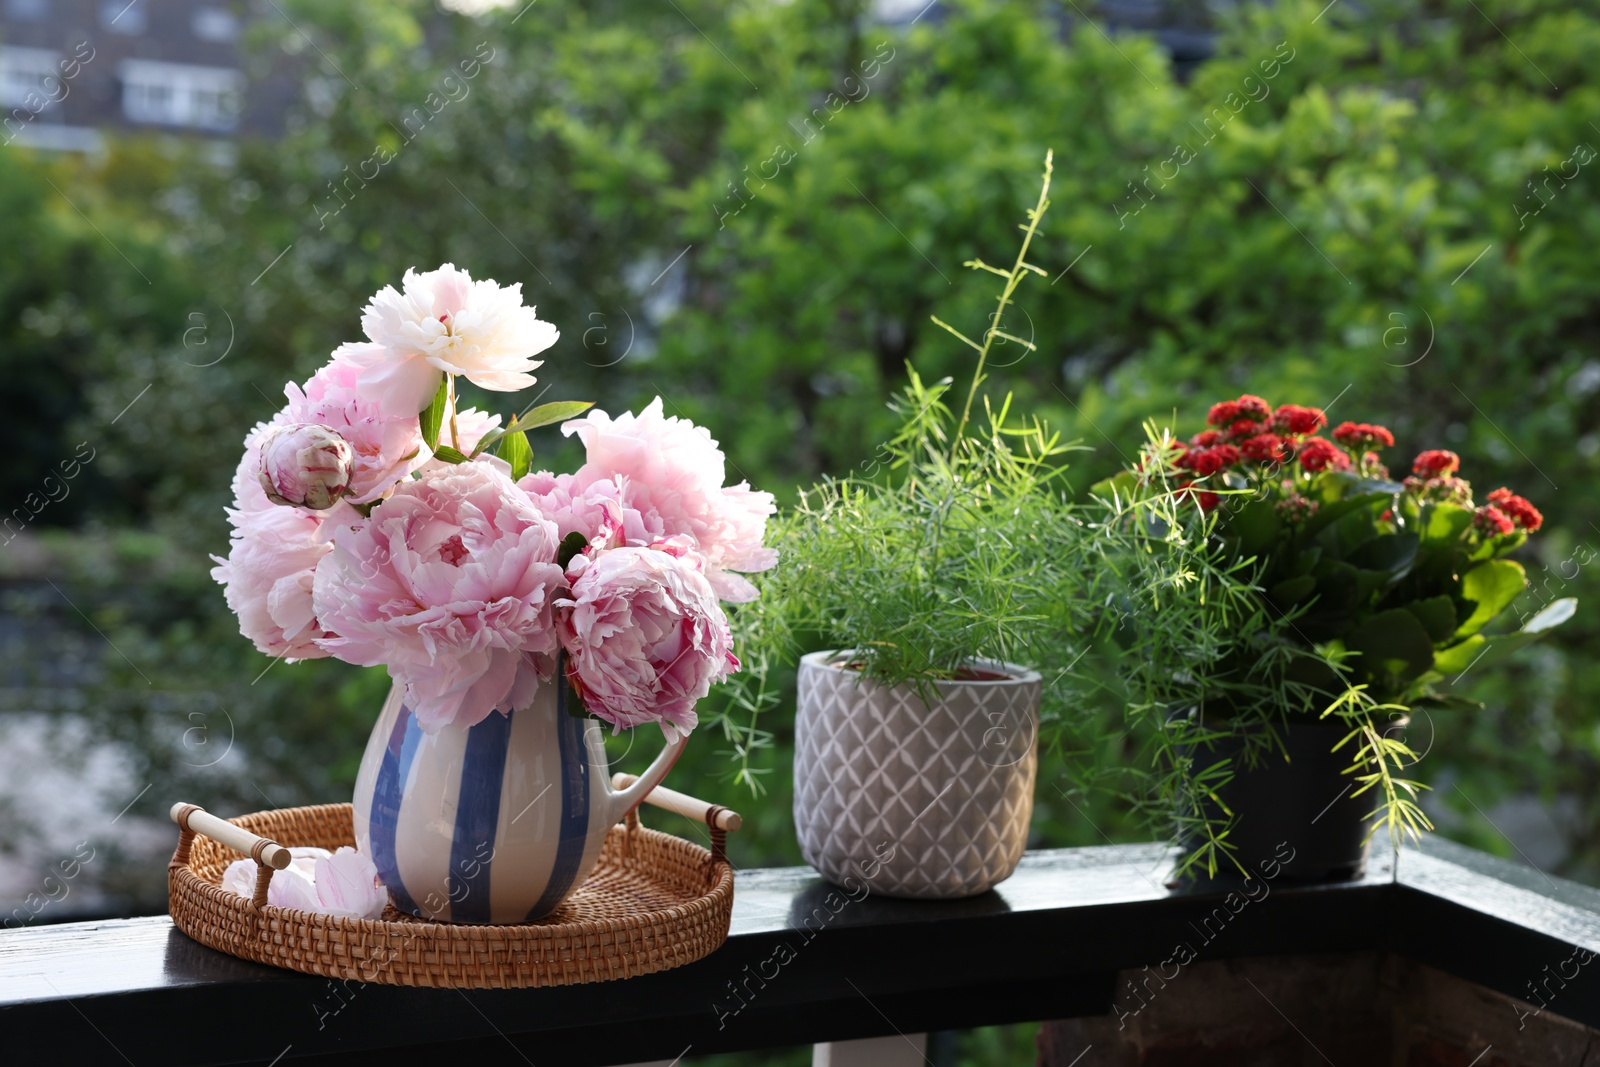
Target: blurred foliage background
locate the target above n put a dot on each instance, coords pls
(1386, 210)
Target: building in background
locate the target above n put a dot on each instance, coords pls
(70, 69)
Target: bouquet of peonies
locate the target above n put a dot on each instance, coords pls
(375, 522)
(1393, 579)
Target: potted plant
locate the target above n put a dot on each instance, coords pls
(377, 521)
(931, 588)
(1330, 602)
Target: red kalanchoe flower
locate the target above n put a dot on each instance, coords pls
(1518, 508)
(1363, 435)
(1490, 521)
(1294, 419)
(1372, 466)
(1266, 448)
(1223, 413)
(1318, 453)
(1254, 407)
(1205, 439)
(1242, 428)
(1295, 508)
(1246, 407)
(1436, 461)
(1445, 490)
(1204, 461)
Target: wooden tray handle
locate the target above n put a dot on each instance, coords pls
(269, 855)
(195, 819)
(718, 819)
(713, 815)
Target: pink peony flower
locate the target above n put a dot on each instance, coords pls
(645, 636)
(272, 555)
(385, 447)
(671, 472)
(303, 464)
(597, 512)
(444, 321)
(449, 585)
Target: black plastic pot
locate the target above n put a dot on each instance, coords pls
(1296, 817)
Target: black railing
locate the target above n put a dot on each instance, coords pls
(1075, 933)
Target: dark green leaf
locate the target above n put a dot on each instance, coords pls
(1255, 527)
(1448, 702)
(449, 455)
(515, 450)
(1437, 615)
(1292, 590)
(1391, 553)
(570, 546)
(1392, 644)
(432, 416)
(1334, 509)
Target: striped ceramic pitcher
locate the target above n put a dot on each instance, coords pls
(493, 823)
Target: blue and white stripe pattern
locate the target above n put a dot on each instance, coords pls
(494, 823)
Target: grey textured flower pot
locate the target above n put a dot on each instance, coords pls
(910, 800)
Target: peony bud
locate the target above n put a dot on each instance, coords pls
(305, 465)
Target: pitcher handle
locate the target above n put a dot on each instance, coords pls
(625, 800)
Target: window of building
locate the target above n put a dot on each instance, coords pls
(180, 94)
(129, 17)
(214, 24)
(27, 10)
(30, 71)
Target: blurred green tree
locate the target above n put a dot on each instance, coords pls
(752, 209)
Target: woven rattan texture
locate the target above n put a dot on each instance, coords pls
(653, 902)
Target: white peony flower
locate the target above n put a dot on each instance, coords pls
(444, 321)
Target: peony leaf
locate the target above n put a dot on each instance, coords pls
(545, 414)
(449, 455)
(433, 415)
(515, 450)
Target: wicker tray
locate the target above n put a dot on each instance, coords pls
(653, 902)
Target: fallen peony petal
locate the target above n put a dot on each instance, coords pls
(240, 877)
(288, 890)
(348, 885)
(343, 883)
